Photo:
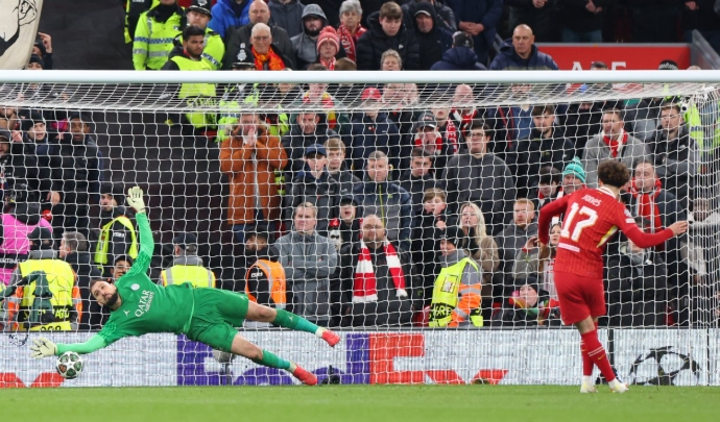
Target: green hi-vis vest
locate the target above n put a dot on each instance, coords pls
(214, 48)
(153, 41)
(103, 245)
(694, 123)
(197, 95)
(49, 274)
(445, 295)
(196, 275)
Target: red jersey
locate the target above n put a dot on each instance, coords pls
(592, 216)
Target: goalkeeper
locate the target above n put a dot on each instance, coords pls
(209, 316)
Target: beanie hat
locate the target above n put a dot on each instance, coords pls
(34, 58)
(668, 65)
(452, 234)
(575, 168)
(328, 34)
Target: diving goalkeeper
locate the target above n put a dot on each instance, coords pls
(209, 316)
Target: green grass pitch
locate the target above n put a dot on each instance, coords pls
(360, 403)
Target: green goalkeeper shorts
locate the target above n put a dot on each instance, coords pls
(217, 313)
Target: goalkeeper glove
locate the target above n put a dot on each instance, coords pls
(42, 348)
(135, 199)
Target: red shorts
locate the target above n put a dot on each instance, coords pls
(580, 297)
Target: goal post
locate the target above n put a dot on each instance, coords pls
(436, 163)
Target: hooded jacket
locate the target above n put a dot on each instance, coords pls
(305, 48)
(227, 14)
(459, 58)
(309, 260)
(509, 60)
(375, 42)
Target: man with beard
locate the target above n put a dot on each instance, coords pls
(209, 316)
(305, 43)
(74, 251)
(117, 232)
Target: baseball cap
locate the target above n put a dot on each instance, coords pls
(315, 149)
(450, 234)
(426, 119)
(4, 133)
(347, 200)
(371, 93)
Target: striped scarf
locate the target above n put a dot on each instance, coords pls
(348, 41)
(328, 104)
(365, 288)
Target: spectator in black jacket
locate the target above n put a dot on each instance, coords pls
(540, 15)
(698, 15)
(337, 166)
(74, 251)
(386, 31)
(314, 184)
(76, 177)
(446, 16)
(461, 56)
(305, 132)
(19, 169)
(636, 287)
(582, 21)
(546, 147)
(675, 154)
(480, 18)
(240, 38)
(419, 178)
(432, 37)
(481, 177)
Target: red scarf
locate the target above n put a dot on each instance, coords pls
(436, 148)
(365, 288)
(327, 104)
(269, 61)
(464, 120)
(347, 40)
(451, 135)
(329, 64)
(647, 207)
(616, 146)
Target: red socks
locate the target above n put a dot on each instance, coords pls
(588, 364)
(596, 354)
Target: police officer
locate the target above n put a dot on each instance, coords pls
(199, 15)
(188, 57)
(117, 234)
(46, 294)
(456, 294)
(187, 266)
(156, 29)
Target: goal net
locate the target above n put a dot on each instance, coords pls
(399, 209)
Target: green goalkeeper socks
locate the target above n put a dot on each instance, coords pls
(294, 322)
(272, 360)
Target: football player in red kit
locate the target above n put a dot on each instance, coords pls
(592, 216)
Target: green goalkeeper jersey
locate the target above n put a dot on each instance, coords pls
(146, 307)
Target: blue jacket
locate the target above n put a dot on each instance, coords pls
(459, 58)
(509, 60)
(224, 16)
(392, 204)
(486, 12)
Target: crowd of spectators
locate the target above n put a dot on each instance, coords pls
(366, 195)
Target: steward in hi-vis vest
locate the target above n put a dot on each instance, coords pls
(265, 279)
(187, 266)
(195, 96)
(117, 234)
(43, 293)
(154, 34)
(456, 295)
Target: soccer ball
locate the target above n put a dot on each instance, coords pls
(69, 365)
